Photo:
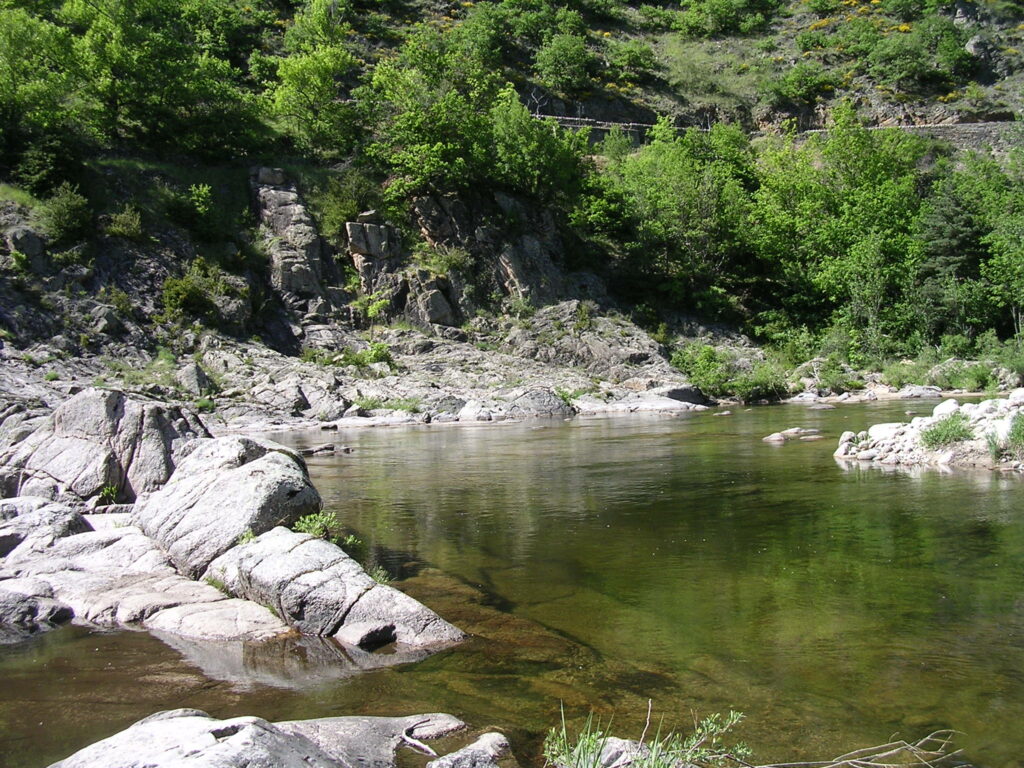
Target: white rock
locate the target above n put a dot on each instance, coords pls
(225, 488)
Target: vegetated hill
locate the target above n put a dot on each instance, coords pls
(128, 128)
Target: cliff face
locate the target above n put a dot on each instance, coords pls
(480, 320)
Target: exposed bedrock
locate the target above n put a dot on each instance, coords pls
(173, 562)
(320, 590)
(99, 440)
(187, 737)
(226, 488)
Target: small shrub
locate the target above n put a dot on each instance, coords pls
(246, 537)
(443, 260)
(217, 584)
(354, 546)
(317, 524)
(705, 746)
(902, 372)
(51, 376)
(563, 63)
(368, 403)
(521, 308)
(205, 405)
(65, 216)
(379, 574)
(705, 366)
(952, 429)
(766, 381)
(119, 300)
(19, 261)
(1015, 437)
(109, 494)
(408, 404)
(126, 223)
(801, 85)
(584, 320)
(633, 60)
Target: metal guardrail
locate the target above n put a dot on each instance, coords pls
(608, 125)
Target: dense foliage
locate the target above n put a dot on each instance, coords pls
(865, 243)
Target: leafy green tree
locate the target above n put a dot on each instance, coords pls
(36, 92)
(836, 219)
(564, 63)
(530, 155)
(307, 99)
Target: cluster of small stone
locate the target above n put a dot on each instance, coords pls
(900, 442)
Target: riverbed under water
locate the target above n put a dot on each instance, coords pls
(603, 562)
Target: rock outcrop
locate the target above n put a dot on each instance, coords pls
(99, 440)
(190, 737)
(26, 609)
(296, 251)
(226, 488)
(976, 434)
(104, 570)
(320, 590)
(119, 577)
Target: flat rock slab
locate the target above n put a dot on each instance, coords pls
(190, 737)
(120, 577)
(226, 488)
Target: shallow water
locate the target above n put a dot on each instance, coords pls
(602, 562)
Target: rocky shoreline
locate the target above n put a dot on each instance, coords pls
(980, 435)
(129, 514)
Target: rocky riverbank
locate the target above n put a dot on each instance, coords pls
(986, 434)
(189, 737)
(120, 513)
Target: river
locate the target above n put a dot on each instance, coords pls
(602, 562)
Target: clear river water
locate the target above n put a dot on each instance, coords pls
(599, 563)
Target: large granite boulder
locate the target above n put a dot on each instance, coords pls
(190, 737)
(540, 402)
(320, 590)
(225, 489)
(97, 440)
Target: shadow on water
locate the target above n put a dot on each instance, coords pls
(599, 563)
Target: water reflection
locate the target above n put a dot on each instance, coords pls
(605, 561)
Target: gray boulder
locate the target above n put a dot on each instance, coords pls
(194, 380)
(224, 489)
(27, 242)
(99, 439)
(23, 613)
(190, 737)
(482, 753)
(320, 590)
(540, 402)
